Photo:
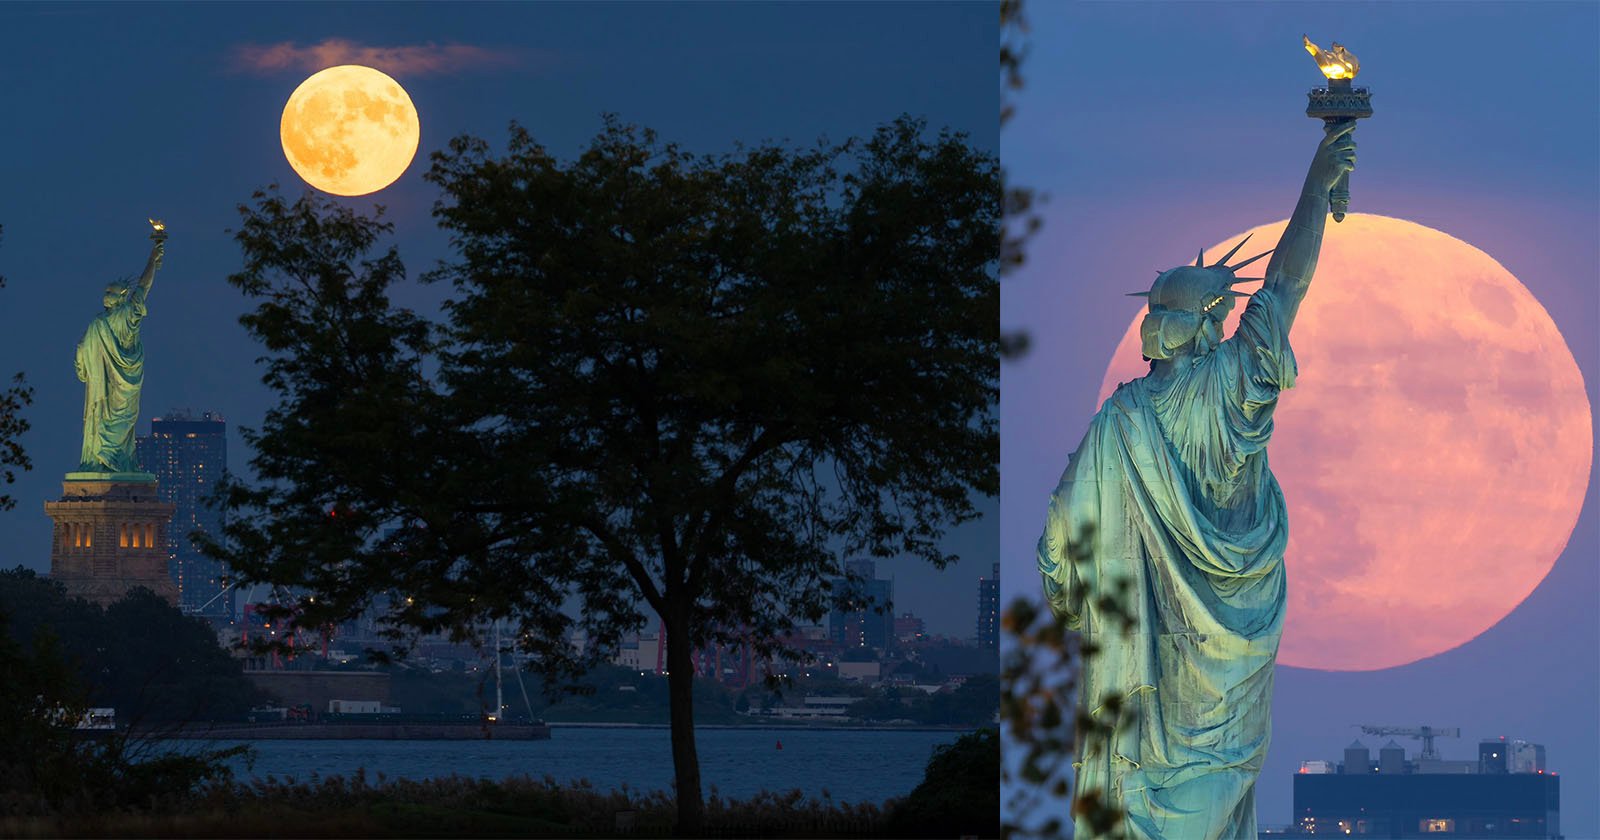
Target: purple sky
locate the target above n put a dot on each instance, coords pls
(1157, 128)
(116, 112)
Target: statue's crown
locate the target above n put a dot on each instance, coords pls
(1199, 287)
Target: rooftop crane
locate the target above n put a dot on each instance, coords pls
(1426, 733)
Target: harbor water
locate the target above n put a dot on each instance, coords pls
(849, 765)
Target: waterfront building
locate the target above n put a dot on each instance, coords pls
(1506, 792)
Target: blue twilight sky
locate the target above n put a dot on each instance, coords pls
(1159, 127)
(117, 112)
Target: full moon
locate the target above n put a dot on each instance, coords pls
(1434, 452)
(349, 130)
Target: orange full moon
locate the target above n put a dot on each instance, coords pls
(1434, 452)
(349, 130)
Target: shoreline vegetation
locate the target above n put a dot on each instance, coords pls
(956, 798)
(62, 656)
(768, 724)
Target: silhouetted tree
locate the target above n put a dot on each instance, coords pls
(1022, 219)
(44, 769)
(38, 758)
(12, 426)
(668, 382)
(958, 796)
(140, 655)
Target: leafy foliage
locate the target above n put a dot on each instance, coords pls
(12, 426)
(669, 382)
(1046, 718)
(957, 796)
(44, 770)
(36, 755)
(458, 806)
(1022, 219)
(140, 655)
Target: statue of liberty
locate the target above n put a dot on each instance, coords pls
(110, 363)
(1170, 490)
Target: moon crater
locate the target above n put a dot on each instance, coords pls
(349, 130)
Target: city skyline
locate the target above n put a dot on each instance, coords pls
(802, 76)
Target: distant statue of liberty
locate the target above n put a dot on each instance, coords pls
(1170, 490)
(110, 363)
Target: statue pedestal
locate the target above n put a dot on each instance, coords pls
(110, 536)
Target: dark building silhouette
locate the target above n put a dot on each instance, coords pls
(872, 626)
(989, 610)
(189, 455)
(908, 629)
(1506, 792)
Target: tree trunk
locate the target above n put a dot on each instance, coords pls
(680, 691)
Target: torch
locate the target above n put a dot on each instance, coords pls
(1336, 104)
(158, 235)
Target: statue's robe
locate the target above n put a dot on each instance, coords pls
(110, 363)
(1171, 486)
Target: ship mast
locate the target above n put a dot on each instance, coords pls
(499, 699)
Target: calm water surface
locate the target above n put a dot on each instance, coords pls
(852, 766)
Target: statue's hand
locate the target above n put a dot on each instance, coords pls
(1336, 155)
(156, 253)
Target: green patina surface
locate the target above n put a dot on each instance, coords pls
(1172, 487)
(110, 363)
(1170, 492)
(119, 477)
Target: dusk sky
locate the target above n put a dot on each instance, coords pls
(118, 112)
(1157, 129)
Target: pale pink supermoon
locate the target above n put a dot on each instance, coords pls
(1434, 452)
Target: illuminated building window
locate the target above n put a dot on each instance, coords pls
(1439, 826)
(122, 536)
(150, 535)
(88, 537)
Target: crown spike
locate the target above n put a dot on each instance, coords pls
(1237, 280)
(1139, 294)
(1238, 266)
(1223, 263)
(1200, 261)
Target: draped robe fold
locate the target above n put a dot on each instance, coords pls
(1171, 487)
(110, 363)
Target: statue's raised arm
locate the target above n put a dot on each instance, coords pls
(1295, 260)
(141, 289)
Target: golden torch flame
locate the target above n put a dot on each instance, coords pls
(1336, 63)
(157, 225)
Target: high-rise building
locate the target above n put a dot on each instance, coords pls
(189, 455)
(872, 626)
(989, 610)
